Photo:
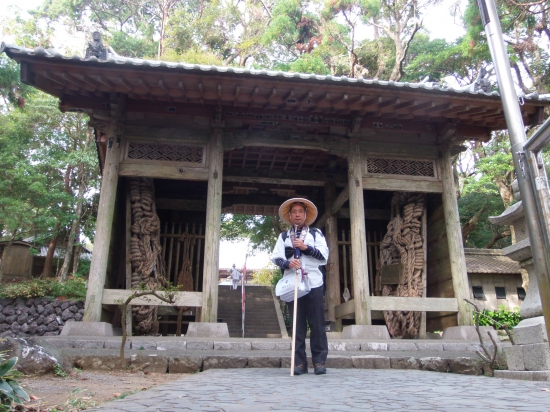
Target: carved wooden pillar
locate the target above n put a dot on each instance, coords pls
(104, 224)
(360, 271)
(454, 241)
(210, 282)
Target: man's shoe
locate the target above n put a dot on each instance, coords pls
(320, 369)
(300, 369)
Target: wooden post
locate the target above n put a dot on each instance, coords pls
(424, 234)
(128, 319)
(104, 224)
(333, 265)
(454, 241)
(211, 275)
(359, 268)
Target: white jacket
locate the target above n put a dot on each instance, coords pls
(309, 264)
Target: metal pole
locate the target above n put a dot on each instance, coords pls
(516, 131)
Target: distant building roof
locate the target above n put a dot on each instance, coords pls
(489, 261)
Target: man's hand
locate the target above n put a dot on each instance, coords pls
(299, 243)
(295, 264)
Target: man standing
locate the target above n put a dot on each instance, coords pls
(299, 214)
(235, 277)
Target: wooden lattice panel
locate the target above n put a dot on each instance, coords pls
(401, 167)
(165, 153)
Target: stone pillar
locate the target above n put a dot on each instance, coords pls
(104, 224)
(211, 276)
(454, 241)
(333, 265)
(360, 271)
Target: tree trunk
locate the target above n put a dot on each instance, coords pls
(63, 273)
(4, 256)
(48, 263)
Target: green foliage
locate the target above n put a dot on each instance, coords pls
(267, 276)
(501, 316)
(83, 269)
(261, 231)
(10, 390)
(73, 288)
(58, 371)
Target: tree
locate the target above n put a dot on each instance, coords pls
(261, 231)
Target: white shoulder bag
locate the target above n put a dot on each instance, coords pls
(285, 287)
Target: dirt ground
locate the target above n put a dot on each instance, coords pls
(84, 389)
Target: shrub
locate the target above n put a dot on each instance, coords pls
(10, 390)
(266, 276)
(73, 288)
(502, 315)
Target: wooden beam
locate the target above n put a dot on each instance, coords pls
(393, 303)
(105, 216)
(116, 296)
(162, 172)
(333, 264)
(180, 204)
(454, 241)
(211, 275)
(401, 184)
(128, 254)
(334, 206)
(359, 270)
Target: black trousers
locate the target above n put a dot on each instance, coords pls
(311, 309)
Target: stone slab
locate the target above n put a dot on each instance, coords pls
(536, 357)
(115, 343)
(374, 346)
(91, 344)
(524, 375)
(371, 362)
(339, 362)
(101, 362)
(369, 332)
(344, 346)
(224, 345)
(224, 362)
(172, 345)
(149, 363)
(264, 362)
(466, 366)
(467, 333)
(200, 345)
(530, 331)
(184, 364)
(407, 362)
(461, 346)
(514, 358)
(89, 329)
(207, 330)
(143, 344)
(434, 364)
(402, 346)
(270, 345)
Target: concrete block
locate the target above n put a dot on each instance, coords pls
(434, 364)
(143, 344)
(530, 331)
(369, 332)
(91, 344)
(224, 362)
(466, 366)
(184, 364)
(429, 346)
(264, 362)
(339, 362)
(402, 346)
(102, 362)
(89, 329)
(407, 362)
(344, 346)
(172, 345)
(115, 343)
(514, 358)
(271, 345)
(536, 357)
(371, 362)
(148, 363)
(461, 346)
(200, 345)
(374, 346)
(232, 346)
(430, 335)
(524, 375)
(468, 333)
(207, 330)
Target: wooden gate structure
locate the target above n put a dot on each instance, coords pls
(234, 140)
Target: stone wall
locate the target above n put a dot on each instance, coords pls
(41, 316)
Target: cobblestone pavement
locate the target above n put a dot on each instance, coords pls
(256, 390)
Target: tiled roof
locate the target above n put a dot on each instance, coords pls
(116, 60)
(490, 261)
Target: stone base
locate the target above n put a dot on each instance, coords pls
(207, 330)
(90, 329)
(468, 333)
(369, 332)
(524, 375)
(530, 331)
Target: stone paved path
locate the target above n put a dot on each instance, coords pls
(256, 390)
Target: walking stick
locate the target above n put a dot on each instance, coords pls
(292, 358)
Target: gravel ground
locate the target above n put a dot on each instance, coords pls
(84, 389)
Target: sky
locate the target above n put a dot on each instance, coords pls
(437, 21)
